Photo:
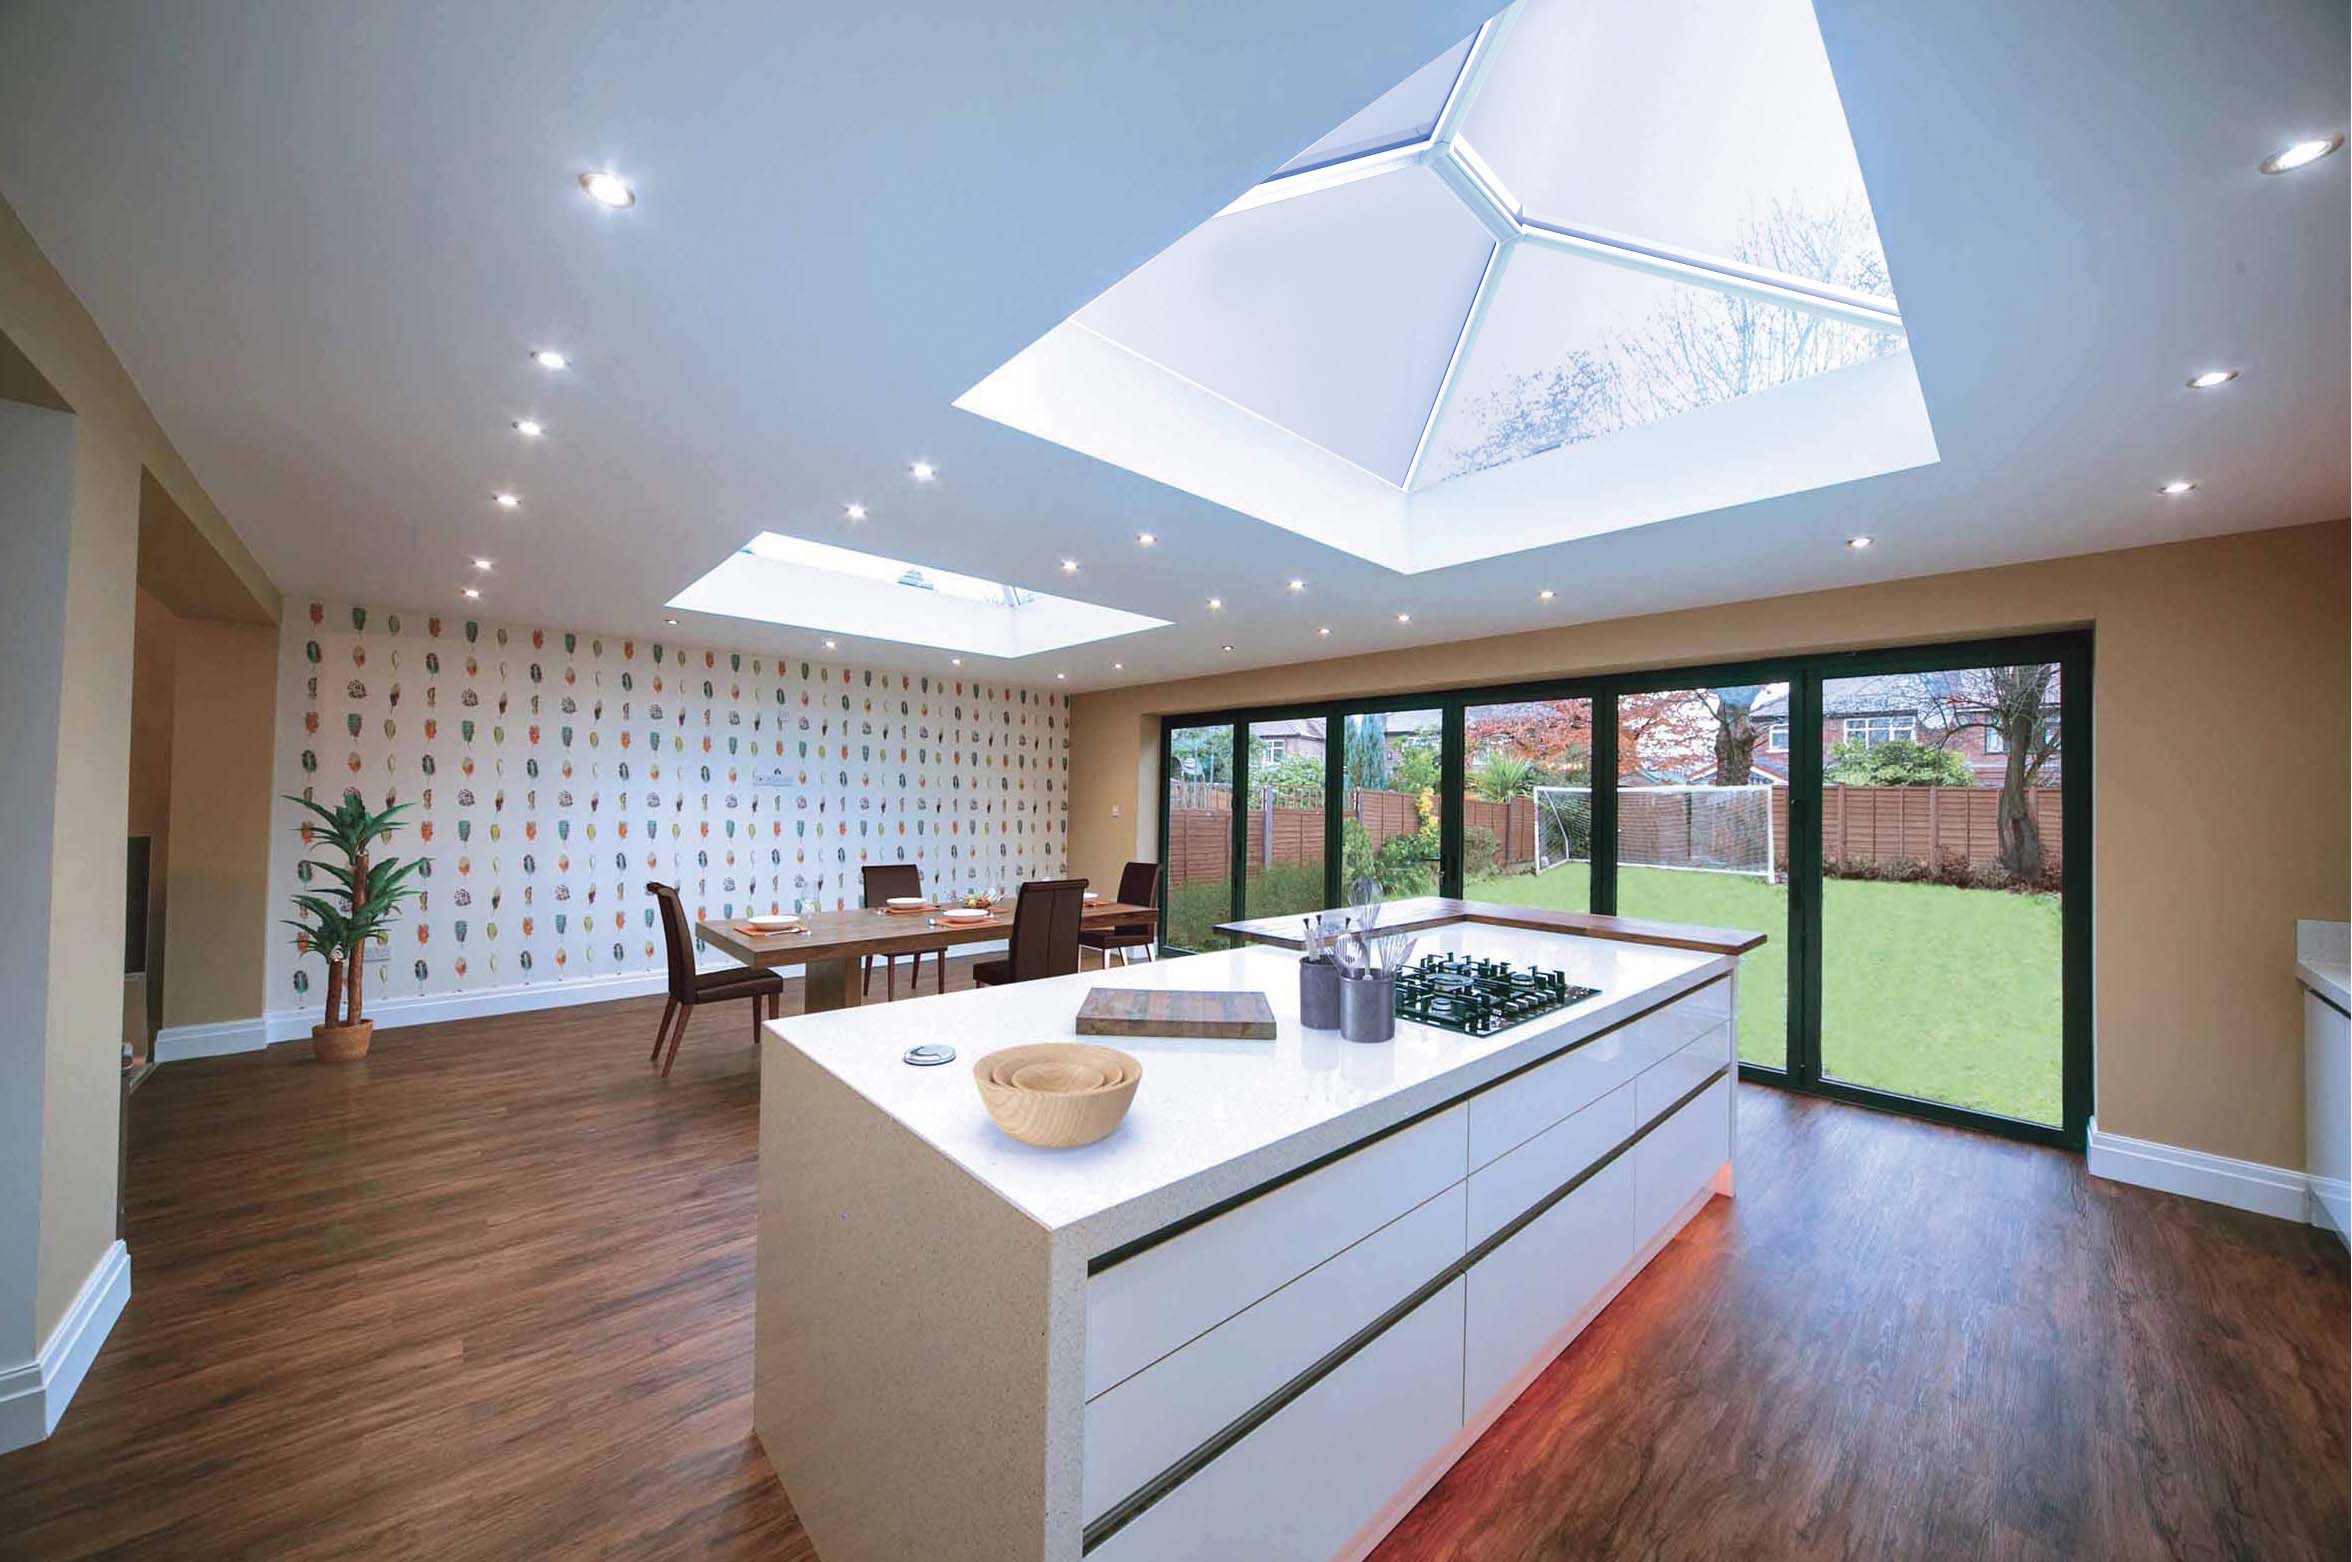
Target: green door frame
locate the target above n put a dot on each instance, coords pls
(2071, 650)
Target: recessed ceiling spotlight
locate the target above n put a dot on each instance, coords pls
(1228, 648)
(955, 661)
(529, 428)
(854, 510)
(1404, 618)
(1544, 595)
(2301, 154)
(1069, 566)
(1145, 539)
(832, 645)
(472, 594)
(482, 564)
(1118, 667)
(1216, 604)
(922, 471)
(1298, 585)
(673, 623)
(506, 501)
(1859, 543)
(549, 358)
(2177, 487)
(2211, 378)
(608, 189)
(1061, 677)
(1323, 629)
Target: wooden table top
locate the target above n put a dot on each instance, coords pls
(853, 934)
(1428, 911)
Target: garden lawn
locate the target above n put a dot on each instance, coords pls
(1947, 994)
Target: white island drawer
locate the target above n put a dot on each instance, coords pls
(1307, 1482)
(1508, 1187)
(1670, 1078)
(1676, 1159)
(1143, 1307)
(1524, 1294)
(1179, 1402)
(1525, 1105)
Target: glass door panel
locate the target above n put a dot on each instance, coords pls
(1390, 830)
(1199, 817)
(1702, 832)
(1527, 815)
(1283, 872)
(1941, 844)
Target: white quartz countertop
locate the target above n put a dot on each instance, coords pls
(1211, 1118)
(2331, 979)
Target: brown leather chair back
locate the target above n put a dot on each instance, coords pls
(1045, 928)
(677, 941)
(1139, 884)
(883, 881)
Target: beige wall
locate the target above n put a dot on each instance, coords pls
(57, 358)
(222, 742)
(2219, 791)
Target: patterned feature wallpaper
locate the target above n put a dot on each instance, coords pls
(556, 771)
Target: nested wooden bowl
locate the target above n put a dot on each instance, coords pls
(1057, 1094)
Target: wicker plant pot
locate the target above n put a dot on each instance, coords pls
(341, 1043)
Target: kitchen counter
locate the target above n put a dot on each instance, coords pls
(971, 1347)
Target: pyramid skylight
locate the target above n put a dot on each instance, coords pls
(1602, 263)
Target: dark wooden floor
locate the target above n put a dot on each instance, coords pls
(489, 1296)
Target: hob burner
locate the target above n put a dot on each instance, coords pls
(1481, 997)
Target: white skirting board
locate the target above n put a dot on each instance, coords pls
(175, 1042)
(2217, 1179)
(34, 1394)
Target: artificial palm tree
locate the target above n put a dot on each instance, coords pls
(341, 922)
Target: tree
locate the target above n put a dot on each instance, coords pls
(1296, 781)
(1704, 345)
(1554, 735)
(1366, 752)
(1499, 777)
(2015, 704)
(1899, 763)
(1416, 768)
(1734, 707)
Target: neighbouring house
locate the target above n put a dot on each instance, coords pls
(1897, 706)
(1305, 735)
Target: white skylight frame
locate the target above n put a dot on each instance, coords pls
(779, 579)
(1085, 389)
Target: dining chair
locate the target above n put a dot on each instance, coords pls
(883, 882)
(1045, 934)
(689, 987)
(1139, 885)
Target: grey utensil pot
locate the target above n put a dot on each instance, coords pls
(1367, 1007)
(1318, 995)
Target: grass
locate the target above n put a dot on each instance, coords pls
(1946, 994)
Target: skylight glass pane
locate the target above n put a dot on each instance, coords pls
(1572, 349)
(1402, 115)
(1706, 125)
(1331, 315)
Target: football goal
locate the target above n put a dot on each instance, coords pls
(1702, 829)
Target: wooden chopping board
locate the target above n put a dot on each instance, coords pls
(1152, 1011)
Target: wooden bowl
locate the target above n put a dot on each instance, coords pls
(1057, 1094)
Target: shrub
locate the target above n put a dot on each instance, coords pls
(1899, 763)
(1480, 852)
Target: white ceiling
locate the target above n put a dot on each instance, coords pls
(323, 239)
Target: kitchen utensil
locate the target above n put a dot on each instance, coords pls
(1057, 1094)
(1367, 1006)
(1318, 994)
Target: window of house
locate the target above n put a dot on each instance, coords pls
(1776, 738)
(1277, 748)
(1870, 731)
(1995, 742)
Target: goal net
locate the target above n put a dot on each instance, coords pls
(1706, 829)
(1563, 825)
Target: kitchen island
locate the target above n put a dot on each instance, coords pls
(1262, 1316)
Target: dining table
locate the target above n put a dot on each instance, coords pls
(828, 945)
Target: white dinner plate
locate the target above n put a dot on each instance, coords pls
(965, 914)
(906, 902)
(772, 923)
